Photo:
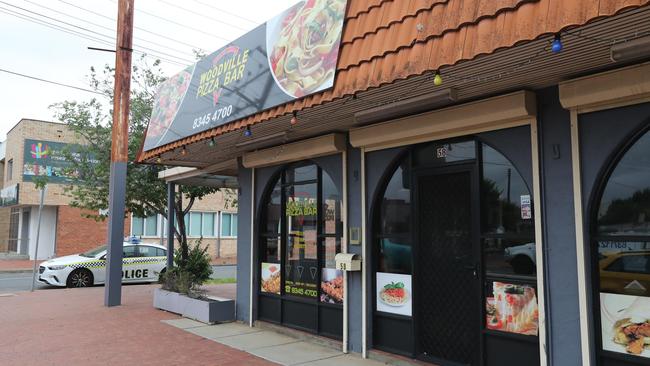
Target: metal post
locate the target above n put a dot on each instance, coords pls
(171, 189)
(38, 234)
(119, 153)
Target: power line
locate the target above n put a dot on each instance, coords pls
(203, 15)
(50, 81)
(78, 34)
(227, 12)
(103, 27)
(180, 24)
(138, 28)
(90, 30)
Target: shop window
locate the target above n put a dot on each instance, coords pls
(622, 255)
(300, 233)
(395, 224)
(228, 225)
(625, 204)
(444, 153)
(507, 227)
(270, 231)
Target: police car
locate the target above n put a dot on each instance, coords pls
(140, 263)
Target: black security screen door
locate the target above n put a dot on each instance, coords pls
(448, 293)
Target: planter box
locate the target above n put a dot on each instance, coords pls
(209, 310)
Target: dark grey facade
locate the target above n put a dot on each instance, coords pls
(603, 134)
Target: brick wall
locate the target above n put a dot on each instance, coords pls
(76, 234)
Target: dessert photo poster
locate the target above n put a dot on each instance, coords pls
(394, 293)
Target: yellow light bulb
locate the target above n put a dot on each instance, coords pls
(437, 80)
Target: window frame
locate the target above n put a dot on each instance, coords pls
(10, 170)
(231, 214)
(188, 226)
(144, 226)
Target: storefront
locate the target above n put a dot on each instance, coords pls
(499, 217)
(453, 251)
(615, 181)
(299, 234)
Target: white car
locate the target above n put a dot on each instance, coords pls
(522, 258)
(140, 263)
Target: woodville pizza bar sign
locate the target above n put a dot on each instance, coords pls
(292, 55)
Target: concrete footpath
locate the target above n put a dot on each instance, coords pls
(72, 327)
(270, 345)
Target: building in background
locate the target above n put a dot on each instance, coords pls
(34, 148)
(212, 221)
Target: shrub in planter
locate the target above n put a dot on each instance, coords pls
(186, 277)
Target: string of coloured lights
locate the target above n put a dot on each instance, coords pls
(554, 46)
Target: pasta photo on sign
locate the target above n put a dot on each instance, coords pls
(303, 45)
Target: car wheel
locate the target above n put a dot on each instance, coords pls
(523, 265)
(80, 278)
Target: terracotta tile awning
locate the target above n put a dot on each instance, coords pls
(388, 40)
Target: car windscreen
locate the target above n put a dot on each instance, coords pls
(93, 252)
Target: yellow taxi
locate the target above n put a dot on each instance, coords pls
(626, 273)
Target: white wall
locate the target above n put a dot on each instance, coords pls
(48, 232)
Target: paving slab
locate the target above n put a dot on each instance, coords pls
(295, 353)
(215, 332)
(345, 360)
(251, 341)
(184, 323)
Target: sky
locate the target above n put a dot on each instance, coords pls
(49, 39)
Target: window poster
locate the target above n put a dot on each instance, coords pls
(270, 276)
(331, 286)
(301, 278)
(394, 293)
(512, 309)
(625, 323)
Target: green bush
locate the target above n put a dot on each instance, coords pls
(187, 277)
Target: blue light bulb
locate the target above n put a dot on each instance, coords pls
(248, 132)
(556, 46)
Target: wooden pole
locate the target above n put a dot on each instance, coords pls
(119, 153)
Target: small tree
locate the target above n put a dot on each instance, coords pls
(146, 194)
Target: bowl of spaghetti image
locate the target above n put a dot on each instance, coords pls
(303, 45)
(394, 294)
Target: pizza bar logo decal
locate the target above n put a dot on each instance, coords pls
(301, 207)
(228, 67)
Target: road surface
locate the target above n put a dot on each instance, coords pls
(21, 281)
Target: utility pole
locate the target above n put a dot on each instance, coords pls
(119, 152)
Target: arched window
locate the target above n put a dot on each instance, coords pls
(621, 247)
(299, 236)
